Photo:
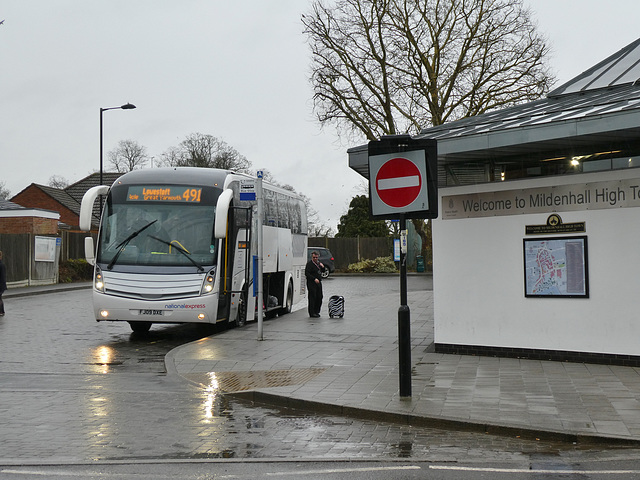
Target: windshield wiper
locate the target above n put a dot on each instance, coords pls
(181, 250)
(125, 242)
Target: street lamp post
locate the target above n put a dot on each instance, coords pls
(126, 106)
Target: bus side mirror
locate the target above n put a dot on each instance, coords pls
(222, 213)
(89, 250)
(86, 207)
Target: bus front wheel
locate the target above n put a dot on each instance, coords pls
(140, 327)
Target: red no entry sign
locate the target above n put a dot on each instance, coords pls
(398, 182)
(402, 178)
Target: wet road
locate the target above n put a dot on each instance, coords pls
(73, 390)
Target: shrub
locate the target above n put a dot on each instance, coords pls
(379, 265)
(77, 270)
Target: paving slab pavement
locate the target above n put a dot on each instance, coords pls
(349, 366)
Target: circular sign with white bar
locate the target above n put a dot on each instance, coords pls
(398, 183)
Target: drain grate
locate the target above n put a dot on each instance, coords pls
(248, 380)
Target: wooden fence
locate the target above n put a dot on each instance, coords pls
(352, 250)
(25, 264)
(73, 245)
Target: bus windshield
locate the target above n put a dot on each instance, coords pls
(171, 230)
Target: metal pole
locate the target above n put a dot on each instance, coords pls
(101, 110)
(404, 320)
(260, 202)
(127, 106)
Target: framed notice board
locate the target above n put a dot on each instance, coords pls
(556, 267)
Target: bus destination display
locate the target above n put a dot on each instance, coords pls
(164, 193)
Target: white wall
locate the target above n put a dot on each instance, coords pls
(479, 278)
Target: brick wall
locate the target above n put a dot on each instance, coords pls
(37, 226)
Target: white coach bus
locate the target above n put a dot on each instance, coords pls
(178, 245)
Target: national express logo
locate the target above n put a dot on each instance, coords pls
(174, 306)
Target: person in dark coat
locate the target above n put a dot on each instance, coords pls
(313, 273)
(3, 284)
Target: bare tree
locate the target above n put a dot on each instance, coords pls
(383, 67)
(171, 157)
(5, 193)
(198, 150)
(129, 155)
(321, 229)
(56, 181)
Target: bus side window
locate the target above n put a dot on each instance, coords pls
(283, 211)
(270, 208)
(294, 215)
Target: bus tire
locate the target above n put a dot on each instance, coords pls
(140, 327)
(288, 305)
(241, 314)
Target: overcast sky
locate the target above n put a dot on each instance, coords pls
(237, 70)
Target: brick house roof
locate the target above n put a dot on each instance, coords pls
(7, 205)
(65, 201)
(10, 208)
(78, 189)
(61, 197)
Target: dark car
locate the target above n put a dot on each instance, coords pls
(326, 258)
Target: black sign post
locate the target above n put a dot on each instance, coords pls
(403, 184)
(404, 323)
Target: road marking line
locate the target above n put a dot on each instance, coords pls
(343, 470)
(538, 471)
(61, 473)
(84, 474)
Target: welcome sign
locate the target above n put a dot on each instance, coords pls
(563, 198)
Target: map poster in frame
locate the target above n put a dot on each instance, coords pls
(556, 267)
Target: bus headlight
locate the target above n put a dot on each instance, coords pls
(208, 284)
(98, 282)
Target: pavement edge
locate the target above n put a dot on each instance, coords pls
(442, 423)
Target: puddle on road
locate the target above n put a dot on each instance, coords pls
(230, 382)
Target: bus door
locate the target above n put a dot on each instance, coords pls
(236, 275)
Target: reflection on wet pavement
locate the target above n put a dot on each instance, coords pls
(230, 382)
(104, 356)
(211, 392)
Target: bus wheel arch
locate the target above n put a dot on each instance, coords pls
(140, 327)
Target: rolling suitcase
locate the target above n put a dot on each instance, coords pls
(336, 306)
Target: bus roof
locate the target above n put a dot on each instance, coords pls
(180, 175)
(212, 177)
